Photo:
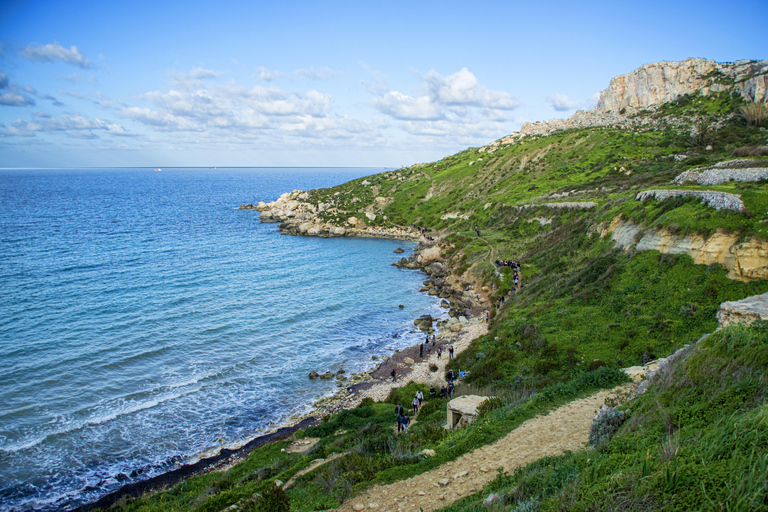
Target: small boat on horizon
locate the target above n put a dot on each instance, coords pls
(158, 169)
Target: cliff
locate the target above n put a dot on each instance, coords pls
(661, 82)
(653, 85)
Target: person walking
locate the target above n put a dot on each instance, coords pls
(439, 352)
(393, 373)
(420, 396)
(450, 352)
(399, 413)
(406, 421)
(415, 404)
(421, 351)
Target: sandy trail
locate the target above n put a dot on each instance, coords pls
(565, 428)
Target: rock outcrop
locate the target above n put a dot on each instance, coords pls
(649, 86)
(743, 311)
(715, 176)
(745, 261)
(660, 82)
(717, 200)
(297, 216)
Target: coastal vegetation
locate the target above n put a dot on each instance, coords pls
(588, 307)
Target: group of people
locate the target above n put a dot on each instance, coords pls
(515, 270)
(446, 391)
(425, 347)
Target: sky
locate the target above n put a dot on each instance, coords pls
(331, 83)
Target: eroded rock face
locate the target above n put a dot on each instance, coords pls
(745, 261)
(660, 82)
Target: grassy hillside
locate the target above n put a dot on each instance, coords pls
(696, 440)
(586, 309)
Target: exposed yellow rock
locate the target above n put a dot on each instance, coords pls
(745, 261)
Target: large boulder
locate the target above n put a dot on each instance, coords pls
(429, 255)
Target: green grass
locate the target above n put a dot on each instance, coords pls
(696, 440)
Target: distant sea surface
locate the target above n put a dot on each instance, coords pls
(145, 320)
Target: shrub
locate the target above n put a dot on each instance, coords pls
(751, 151)
(606, 424)
(754, 113)
(273, 499)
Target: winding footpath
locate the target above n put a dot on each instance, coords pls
(565, 428)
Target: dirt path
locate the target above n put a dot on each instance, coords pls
(566, 428)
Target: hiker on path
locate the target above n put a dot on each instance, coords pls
(393, 373)
(415, 404)
(432, 392)
(421, 351)
(450, 352)
(439, 352)
(405, 422)
(399, 413)
(420, 396)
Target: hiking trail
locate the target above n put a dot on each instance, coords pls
(565, 428)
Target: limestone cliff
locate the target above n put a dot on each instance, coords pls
(745, 260)
(660, 82)
(649, 86)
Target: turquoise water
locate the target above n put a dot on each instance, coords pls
(144, 319)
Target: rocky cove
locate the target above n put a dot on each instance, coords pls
(297, 216)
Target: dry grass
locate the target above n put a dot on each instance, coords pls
(754, 113)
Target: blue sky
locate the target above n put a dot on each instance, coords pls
(332, 83)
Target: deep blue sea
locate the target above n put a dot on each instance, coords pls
(144, 320)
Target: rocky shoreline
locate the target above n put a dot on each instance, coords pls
(295, 215)
(466, 322)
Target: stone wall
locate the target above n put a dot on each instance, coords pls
(743, 311)
(714, 176)
(717, 200)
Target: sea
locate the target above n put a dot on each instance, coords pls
(146, 320)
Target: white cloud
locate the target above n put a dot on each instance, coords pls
(404, 107)
(462, 88)
(561, 102)
(14, 95)
(11, 99)
(267, 75)
(319, 74)
(54, 52)
(161, 120)
(458, 97)
(73, 125)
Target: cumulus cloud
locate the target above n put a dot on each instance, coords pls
(402, 106)
(561, 102)
(458, 96)
(218, 106)
(214, 113)
(54, 52)
(318, 74)
(463, 89)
